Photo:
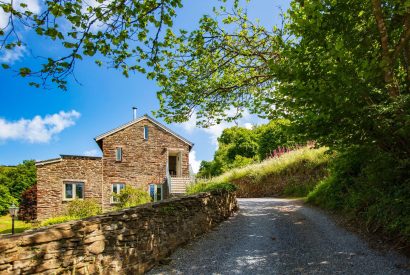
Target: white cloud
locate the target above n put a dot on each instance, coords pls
(38, 129)
(214, 131)
(92, 153)
(194, 162)
(190, 125)
(11, 56)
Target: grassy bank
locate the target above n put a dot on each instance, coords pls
(293, 174)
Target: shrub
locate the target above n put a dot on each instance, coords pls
(76, 209)
(58, 219)
(83, 208)
(28, 209)
(129, 197)
(210, 186)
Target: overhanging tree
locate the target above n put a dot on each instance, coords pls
(122, 34)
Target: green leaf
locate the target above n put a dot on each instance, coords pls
(24, 71)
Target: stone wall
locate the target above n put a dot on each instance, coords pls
(130, 241)
(144, 161)
(51, 177)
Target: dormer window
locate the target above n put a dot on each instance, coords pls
(118, 154)
(146, 132)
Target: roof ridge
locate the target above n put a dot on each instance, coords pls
(145, 116)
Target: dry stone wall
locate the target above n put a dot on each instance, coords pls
(129, 241)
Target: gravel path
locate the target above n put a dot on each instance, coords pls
(280, 236)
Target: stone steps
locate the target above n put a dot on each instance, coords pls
(178, 185)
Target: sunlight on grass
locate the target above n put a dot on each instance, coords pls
(274, 165)
(19, 226)
(293, 174)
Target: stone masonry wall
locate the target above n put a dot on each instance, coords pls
(130, 241)
(51, 177)
(143, 162)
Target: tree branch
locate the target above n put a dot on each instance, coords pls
(387, 62)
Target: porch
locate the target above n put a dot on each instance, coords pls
(177, 179)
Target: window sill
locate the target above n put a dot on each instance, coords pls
(68, 200)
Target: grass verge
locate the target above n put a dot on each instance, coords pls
(19, 226)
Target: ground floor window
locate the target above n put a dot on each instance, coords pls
(73, 190)
(116, 189)
(156, 192)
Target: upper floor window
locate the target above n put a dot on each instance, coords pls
(146, 132)
(116, 189)
(73, 190)
(118, 154)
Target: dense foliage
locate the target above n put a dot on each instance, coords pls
(130, 196)
(238, 146)
(372, 188)
(28, 205)
(14, 181)
(277, 133)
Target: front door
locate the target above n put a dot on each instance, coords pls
(174, 164)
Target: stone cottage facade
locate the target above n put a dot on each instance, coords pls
(142, 153)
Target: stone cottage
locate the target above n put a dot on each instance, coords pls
(142, 153)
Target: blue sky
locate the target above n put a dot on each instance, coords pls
(41, 124)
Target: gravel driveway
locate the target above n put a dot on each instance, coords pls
(280, 236)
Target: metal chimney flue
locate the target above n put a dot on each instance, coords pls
(134, 113)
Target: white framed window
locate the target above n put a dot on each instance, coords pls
(146, 132)
(118, 154)
(116, 189)
(156, 192)
(73, 190)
